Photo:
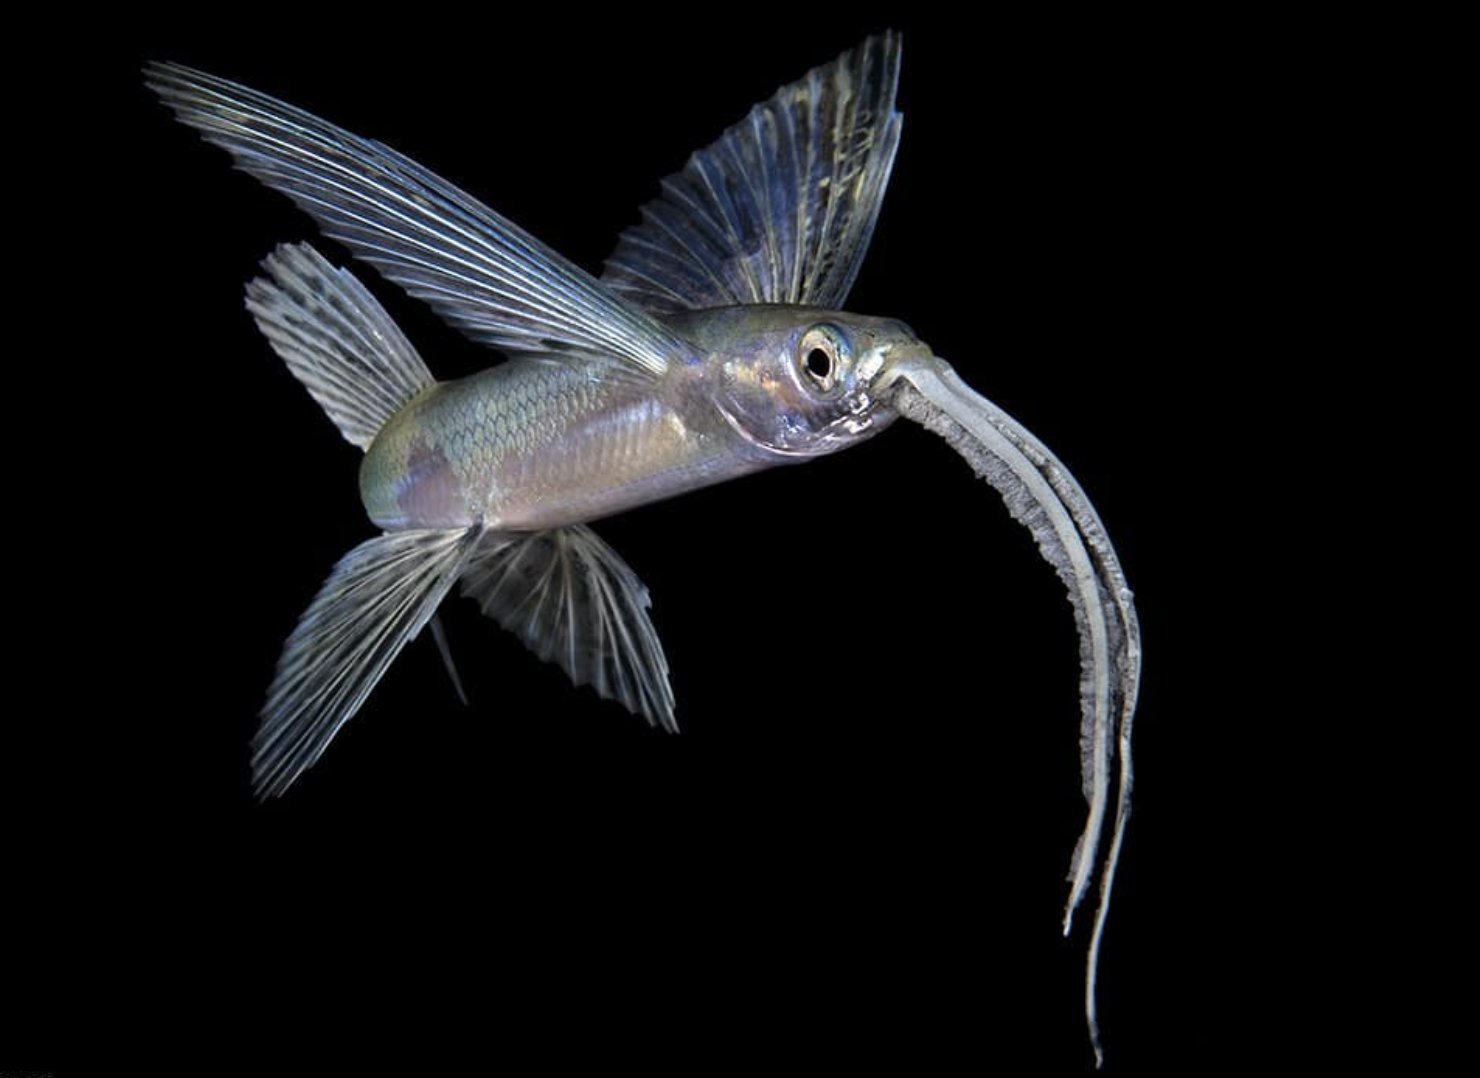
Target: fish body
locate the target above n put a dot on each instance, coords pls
(545, 441)
(530, 445)
(716, 343)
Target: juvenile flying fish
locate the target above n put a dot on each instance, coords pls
(713, 345)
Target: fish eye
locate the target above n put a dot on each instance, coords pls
(820, 356)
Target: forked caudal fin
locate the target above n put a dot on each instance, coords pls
(377, 598)
(564, 592)
(350, 356)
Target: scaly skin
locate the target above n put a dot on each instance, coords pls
(535, 444)
(539, 443)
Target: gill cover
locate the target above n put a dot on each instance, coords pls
(797, 382)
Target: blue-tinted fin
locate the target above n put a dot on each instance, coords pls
(479, 271)
(574, 602)
(377, 598)
(782, 207)
(337, 340)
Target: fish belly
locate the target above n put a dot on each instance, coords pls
(531, 445)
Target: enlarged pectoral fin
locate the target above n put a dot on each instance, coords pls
(574, 602)
(782, 207)
(1041, 494)
(478, 270)
(377, 598)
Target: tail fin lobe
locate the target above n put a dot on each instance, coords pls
(377, 599)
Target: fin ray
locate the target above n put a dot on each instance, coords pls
(338, 341)
(440, 636)
(781, 208)
(575, 603)
(376, 599)
(478, 270)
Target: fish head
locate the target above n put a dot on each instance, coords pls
(801, 381)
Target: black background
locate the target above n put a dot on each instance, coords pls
(856, 849)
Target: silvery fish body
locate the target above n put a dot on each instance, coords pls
(714, 344)
(541, 442)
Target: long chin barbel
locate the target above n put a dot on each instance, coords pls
(1042, 495)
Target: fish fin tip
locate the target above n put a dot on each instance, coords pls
(478, 270)
(336, 339)
(756, 216)
(440, 636)
(375, 600)
(576, 603)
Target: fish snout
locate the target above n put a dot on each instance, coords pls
(904, 360)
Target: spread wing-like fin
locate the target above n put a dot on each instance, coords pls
(377, 598)
(337, 340)
(482, 273)
(782, 207)
(574, 602)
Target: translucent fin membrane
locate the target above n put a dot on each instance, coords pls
(781, 208)
(377, 598)
(574, 602)
(337, 340)
(480, 272)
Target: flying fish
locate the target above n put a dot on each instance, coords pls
(713, 345)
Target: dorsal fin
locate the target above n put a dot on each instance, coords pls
(337, 340)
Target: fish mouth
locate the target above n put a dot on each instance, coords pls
(1042, 495)
(905, 362)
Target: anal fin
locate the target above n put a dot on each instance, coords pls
(575, 602)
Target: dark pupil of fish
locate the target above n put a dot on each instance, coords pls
(819, 364)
